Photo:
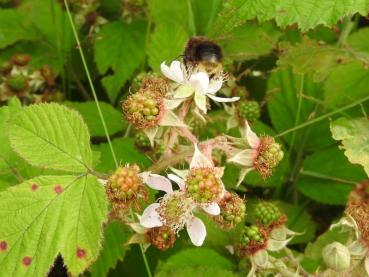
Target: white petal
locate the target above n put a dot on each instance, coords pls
(214, 86)
(244, 158)
(242, 175)
(151, 133)
(200, 82)
(181, 173)
(171, 119)
(196, 231)
(222, 99)
(211, 208)
(178, 180)
(158, 182)
(171, 104)
(150, 217)
(184, 91)
(200, 101)
(251, 137)
(174, 72)
(199, 159)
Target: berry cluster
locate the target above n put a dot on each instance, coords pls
(269, 155)
(125, 186)
(162, 237)
(249, 110)
(232, 210)
(143, 108)
(252, 239)
(203, 185)
(267, 213)
(17, 83)
(141, 141)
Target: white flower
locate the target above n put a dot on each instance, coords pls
(198, 84)
(152, 217)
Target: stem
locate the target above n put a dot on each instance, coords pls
(298, 112)
(191, 22)
(348, 26)
(145, 260)
(326, 177)
(303, 125)
(90, 82)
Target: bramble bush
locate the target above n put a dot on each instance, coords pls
(178, 138)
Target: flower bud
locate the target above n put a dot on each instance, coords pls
(249, 110)
(232, 211)
(162, 237)
(125, 187)
(21, 59)
(269, 155)
(5, 67)
(17, 83)
(143, 109)
(252, 239)
(336, 256)
(203, 185)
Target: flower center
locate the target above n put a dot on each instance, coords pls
(203, 185)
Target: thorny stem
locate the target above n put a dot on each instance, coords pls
(319, 118)
(99, 110)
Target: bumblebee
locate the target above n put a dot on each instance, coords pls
(202, 54)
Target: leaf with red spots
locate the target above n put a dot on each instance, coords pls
(63, 215)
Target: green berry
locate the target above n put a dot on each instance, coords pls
(267, 213)
(141, 140)
(250, 233)
(17, 83)
(249, 110)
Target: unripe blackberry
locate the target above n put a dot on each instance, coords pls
(21, 59)
(125, 186)
(252, 239)
(5, 68)
(267, 213)
(48, 74)
(203, 185)
(249, 110)
(269, 155)
(142, 141)
(143, 109)
(17, 83)
(196, 126)
(162, 237)
(232, 211)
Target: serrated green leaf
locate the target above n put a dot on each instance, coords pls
(51, 136)
(354, 134)
(115, 235)
(250, 41)
(196, 257)
(199, 271)
(306, 14)
(166, 44)
(205, 12)
(359, 40)
(48, 215)
(125, 152)
(346, 84)
(120, 48)
(113, 117)
(337, 177)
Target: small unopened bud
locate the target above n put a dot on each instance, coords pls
(269, 155)
(203, 185)
(21, 59)
(143, 109)
(252, 239)
(249, 110)
(232, 211)
(48, 74)
(125, 187)
(336, 256)
(5, 67)
(17, 83)
(162, 237)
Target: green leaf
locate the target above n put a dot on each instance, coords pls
(354, 134)
(306, 14)
(48, 215)
(115, 235)
(196, 257)
(205, 12)
(125, 152)
(166, 44)
(346, 84)
(327, 177)
(51, 136)
(199, 271)
(120, 48)
(12, 28)
(250, 41)
(113, 117)
(359, 41)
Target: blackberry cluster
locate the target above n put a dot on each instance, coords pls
(267, 213)
(162, 237)
(142, 141)
(249, 110)
(232, 210)
(250, 233)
